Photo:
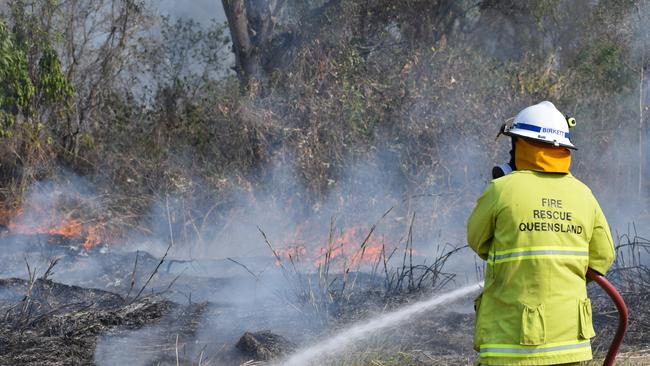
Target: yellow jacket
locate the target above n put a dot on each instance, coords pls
(538, 233)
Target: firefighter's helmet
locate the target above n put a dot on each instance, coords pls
(542, 122)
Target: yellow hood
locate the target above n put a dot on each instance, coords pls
(541, 157)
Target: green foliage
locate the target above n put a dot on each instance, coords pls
(37, 75)
(16, 89)
(603, 65)
(52, 84)
(357, 97)
(538, 78)
(35, 94)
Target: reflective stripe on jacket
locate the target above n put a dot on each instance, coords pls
(538, 233)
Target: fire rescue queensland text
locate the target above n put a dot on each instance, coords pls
(552, 217)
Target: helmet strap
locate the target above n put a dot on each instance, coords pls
(512, 154)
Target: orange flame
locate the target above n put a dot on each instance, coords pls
(351, 249)
(94, 236)
(53, 223)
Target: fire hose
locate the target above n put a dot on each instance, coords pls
(622, 314)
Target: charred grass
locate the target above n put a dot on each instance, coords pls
(48, 323)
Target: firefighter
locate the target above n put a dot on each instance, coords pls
(539, 229)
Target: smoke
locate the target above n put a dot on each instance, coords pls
(252, 294)
(283, 208)
(50, 203)
(216, 245)
(346, 337)
(53, 221)
(366, 195)
(136, 347)
(202, 11)
(620, 178)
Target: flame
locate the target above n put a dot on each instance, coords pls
(350, 249)
(354, 247)
(52, 223)
(94, 236)
(70, 229)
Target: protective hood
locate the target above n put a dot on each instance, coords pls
(541, 157)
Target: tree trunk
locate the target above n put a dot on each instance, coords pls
(247, 54)
(258, 46)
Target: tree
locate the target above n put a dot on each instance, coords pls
(97, 53)
(251, 26)
(17, 88)
(265, 32)
(181, 68)
(66, 43)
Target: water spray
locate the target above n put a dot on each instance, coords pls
(361, 330)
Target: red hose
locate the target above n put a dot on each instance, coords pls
(622, 314)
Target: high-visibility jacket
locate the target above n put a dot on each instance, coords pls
(538, 233)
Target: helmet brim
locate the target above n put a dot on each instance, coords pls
(526, 136)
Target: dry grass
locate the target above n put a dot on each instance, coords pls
(352, 290)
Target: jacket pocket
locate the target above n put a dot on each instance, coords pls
(533, 326)
(477, 330)
(584, 313)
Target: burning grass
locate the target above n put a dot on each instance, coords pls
(77, 222)
(354, 269)
(47, 323)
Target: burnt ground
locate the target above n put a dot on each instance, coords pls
(70, 325)
(47, 323)
(182, 317)
(127, 308)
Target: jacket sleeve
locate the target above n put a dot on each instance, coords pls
(601, 246)
(480, 225)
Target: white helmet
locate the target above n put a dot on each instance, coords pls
(542, 122)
